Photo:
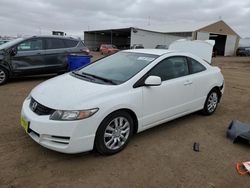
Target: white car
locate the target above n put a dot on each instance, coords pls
(103, 104)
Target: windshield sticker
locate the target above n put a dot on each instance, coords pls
(146, 59)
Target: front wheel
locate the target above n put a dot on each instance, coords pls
(211, 103)
(3, 76)
(114, 133)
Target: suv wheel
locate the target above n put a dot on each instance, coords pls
(3, 75)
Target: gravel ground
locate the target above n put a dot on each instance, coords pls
(159, 157)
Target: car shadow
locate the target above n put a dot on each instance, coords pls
(170, 124)
(31, 78)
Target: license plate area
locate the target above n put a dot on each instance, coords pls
(25, 124)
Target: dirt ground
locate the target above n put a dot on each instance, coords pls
(159, 157)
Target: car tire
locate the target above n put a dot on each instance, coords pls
(211, 102)
(4, 75)
(114, 133)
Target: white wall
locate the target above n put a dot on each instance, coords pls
(230, 45)
(151, 39)
(203, 36)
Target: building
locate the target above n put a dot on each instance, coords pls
(226, 39)
(244, 42)
(58, 33)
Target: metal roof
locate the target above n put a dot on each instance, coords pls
(178, 27)
(166, 28)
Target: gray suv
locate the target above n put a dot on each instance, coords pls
(37, 55)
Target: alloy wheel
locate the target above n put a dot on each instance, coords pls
(212, 102)
(116, 133)
(2, 76)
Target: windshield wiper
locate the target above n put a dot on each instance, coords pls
(100, 78)
(81, 75)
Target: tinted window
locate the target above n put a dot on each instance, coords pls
(196, 66)
(170, 68)
(55, 43)
(70, 43)
(34, 44)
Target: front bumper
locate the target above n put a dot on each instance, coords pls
(63, 136)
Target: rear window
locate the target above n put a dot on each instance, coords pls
(70, 43)
(55, 43)
(196, 66)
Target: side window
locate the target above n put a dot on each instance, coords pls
(29, 45)
(55, 43)
(170, 68)
(195, 66)
(70, 43)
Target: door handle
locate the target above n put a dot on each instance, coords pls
(188, 82)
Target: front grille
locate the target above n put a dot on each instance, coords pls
(40, 109)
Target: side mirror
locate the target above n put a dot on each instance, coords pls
(13, 51)
(153, 81)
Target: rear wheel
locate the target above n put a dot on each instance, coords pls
(211, 103)
(4, 76)
(114, 133)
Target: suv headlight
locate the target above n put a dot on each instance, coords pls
(71, 115)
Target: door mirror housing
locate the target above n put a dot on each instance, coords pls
(152, 81)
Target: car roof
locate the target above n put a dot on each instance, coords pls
(51, 36)
(150, 51)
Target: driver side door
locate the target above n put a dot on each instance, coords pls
(29, 58)
(173, 97)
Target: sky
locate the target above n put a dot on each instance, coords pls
(35, 17)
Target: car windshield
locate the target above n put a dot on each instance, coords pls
(10, 43)
(118, 68)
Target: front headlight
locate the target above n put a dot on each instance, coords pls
(71, 115)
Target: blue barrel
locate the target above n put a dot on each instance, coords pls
(77, 61)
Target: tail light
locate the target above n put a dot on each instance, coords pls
(85, 50)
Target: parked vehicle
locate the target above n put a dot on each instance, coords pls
(108, 49)
(243, 51)
(37, 55)
(161, 46)
(3, 41)
(137, 46)
(103, 104)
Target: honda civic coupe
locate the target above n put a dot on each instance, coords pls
(103, 104)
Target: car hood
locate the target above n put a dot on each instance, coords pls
(66, 92)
